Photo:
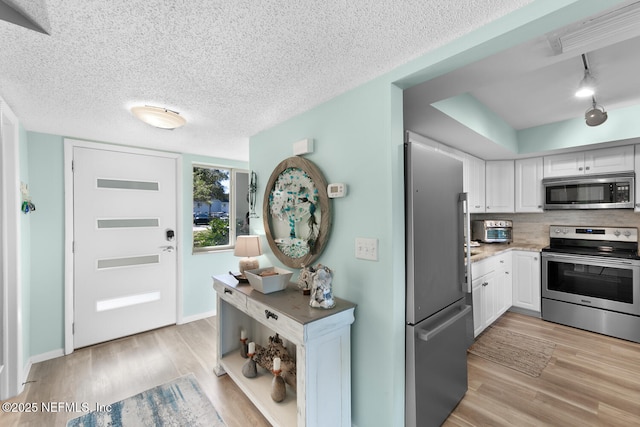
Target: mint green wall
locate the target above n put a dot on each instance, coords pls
(476, 116)
(46, 177)
(198, 268)
(621, 124)
(25, 250)
(44, 257)
(358, 139)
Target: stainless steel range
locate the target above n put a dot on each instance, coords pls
(591, 279)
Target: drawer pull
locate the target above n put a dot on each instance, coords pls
(228, 291)
(271, 314)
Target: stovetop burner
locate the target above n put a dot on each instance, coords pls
(621, 242)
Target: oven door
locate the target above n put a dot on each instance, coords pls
(601, 282)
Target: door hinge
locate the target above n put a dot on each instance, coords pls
(72, 166)
(73, 328)
(73, 247)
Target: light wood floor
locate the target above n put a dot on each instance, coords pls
(591, 380)
(110, 372)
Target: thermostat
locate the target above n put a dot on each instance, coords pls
(336, 190)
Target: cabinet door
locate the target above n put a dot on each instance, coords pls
(615, 159)
(488, 300)
(474, 180)
(564, 165)
(529, 195)
(478, 324)
(504, 285)
(526, 280)
(500, 186)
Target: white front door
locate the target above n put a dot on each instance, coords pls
(125, 264)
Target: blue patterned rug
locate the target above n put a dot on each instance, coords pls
(178, 403)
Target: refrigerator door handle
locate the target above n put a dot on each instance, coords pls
(427, 334)
(464, 198)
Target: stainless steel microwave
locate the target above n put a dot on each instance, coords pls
(614, 191)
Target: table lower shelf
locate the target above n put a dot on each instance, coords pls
(258, 390)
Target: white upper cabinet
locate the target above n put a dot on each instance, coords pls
(606, 160)
(474, 170)
(529, 195)
(500, 186)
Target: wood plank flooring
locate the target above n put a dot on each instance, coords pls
(591, 380)
(112, 371)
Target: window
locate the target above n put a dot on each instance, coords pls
(220, 207)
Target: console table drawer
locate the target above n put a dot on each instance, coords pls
(231, 295)
(276, 321)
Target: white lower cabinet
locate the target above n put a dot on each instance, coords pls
(526, 280)
(319, 340)
(491, 290)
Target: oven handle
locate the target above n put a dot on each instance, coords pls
(587, 258)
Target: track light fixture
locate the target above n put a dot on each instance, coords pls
(587, 86)
(596, 115)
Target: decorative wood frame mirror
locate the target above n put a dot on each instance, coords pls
(296, 212)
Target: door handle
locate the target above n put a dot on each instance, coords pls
(427, 334)
(167, 248)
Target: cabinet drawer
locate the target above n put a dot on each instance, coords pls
(276, 321)
(230, 295)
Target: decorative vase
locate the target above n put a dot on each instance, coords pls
(278, 388)
(249, 369)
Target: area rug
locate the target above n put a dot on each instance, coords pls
(180, 402)
(523, 353)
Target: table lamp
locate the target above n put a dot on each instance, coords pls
(247, 247)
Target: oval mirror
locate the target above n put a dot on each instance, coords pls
(296, 213)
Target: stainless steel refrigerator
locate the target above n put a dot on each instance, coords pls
(439, 322)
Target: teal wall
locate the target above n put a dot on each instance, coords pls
(47, 243)
(198, 268)
(358, 141)
(355, 139)
(25, 250)
(43, 285)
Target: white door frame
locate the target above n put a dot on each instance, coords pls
(69, 145)
(12, 378)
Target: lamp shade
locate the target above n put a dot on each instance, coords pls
(248, 246)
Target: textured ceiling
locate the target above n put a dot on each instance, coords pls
(231, 68)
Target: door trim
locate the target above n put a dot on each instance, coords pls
(13, 376)
(69, 145)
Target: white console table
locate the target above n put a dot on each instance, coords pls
(322, 340)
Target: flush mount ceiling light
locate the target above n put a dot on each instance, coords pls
(159, 117)
(595, 116)
(587, 86)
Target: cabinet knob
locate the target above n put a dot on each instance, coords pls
(506, 272)
(228, 291)
(485, 283)
(535, 258)
(587, 168)
(539, 206)
(580, 168)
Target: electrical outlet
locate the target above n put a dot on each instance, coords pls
(367, 248)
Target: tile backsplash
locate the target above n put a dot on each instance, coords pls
(533, 228)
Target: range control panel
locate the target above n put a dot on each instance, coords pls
(621, 234)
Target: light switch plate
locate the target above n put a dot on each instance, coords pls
(367, 248)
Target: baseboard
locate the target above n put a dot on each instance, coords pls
(197, 317)
(46, 356)
(525, 311)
